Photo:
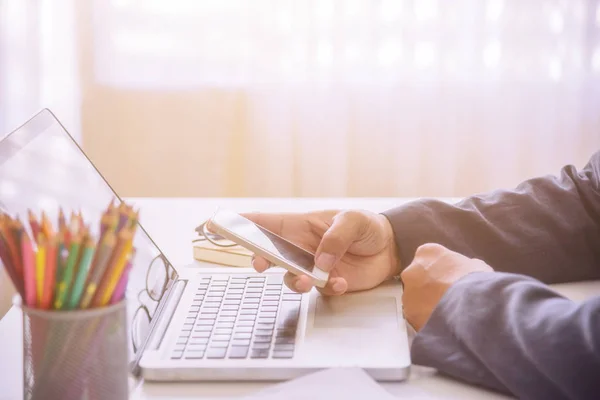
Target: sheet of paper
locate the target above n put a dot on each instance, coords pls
(335, 383)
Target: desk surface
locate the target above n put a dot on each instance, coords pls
(171, 224)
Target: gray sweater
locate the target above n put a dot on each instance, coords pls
(507, 330)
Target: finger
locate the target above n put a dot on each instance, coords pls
(260, 264)
(347, 227)
(335, 287)
(298, 283)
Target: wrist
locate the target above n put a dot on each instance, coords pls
(394, 255)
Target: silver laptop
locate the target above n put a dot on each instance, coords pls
(207, 322)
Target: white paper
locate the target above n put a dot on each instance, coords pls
(335, 383)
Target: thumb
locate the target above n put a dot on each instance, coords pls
(346, 228)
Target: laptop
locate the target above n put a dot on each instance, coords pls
(206, 322)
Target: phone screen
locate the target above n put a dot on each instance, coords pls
(265, 239)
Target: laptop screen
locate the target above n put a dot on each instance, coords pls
(43, 168)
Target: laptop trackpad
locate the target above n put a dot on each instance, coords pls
(349, 311)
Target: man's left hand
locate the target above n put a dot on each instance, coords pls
(426, 280)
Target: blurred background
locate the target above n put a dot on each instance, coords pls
(319, 98)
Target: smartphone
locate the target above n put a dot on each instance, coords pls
(266, 244)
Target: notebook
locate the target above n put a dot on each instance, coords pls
(235, 256)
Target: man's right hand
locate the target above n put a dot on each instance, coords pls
(357, 248)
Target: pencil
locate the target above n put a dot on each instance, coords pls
(113, 274)
(105, 251)
(62, 222)
(11, 243)
(17, 231)
(40, 266)
(122, 285)
(34, 224)
(10, 269)
(67, 276)
(50, 273)
(46, 226)
(82, 273)
(28, 271)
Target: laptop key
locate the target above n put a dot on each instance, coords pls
(261, 346)
(201, 334)
(218, 352)
(221, 338)
(283, 347)
(269, 308)
(270, 303)
(285, 333)
(230, 307)
(204, 328)
(283, 354)
(262, 339)
(194, 355)
(198, 340)
(226, 319)
(254, 290)
(248, 312)
(260, 353)
(247, 318)
(285, 340)
(219, 344)
(245, 323)
(241, 335)
(266, 320)
(264, 332)
(232, 302)
(177, 354)
(229, 313)
(267, 314)
(224, 325)
(244, 329)
(240, 342)
(201, 322)
(265, 326)
(238, 352)
(223, 331)
(249, 306)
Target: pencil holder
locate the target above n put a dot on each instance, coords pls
(79, 354)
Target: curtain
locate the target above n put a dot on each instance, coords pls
(333, 97)
(38, 64)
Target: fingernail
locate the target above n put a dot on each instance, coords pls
(338, 286)
(325, 261)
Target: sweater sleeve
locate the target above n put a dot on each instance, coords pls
(511, 333)
(547, 227)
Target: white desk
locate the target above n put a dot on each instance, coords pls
(171, 223)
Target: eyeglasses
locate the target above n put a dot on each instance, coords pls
(205, 235)
(157, 279)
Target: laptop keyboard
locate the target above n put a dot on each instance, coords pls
(239, 317)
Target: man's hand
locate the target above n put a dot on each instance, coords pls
(426, 280)
(356, 247)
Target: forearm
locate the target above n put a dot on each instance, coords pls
(547, 228)
(512, 333)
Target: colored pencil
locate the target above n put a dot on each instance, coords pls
(122, 285)
(10, 269)
(40, 267)
(28, 271)
(67, 277)
(11, 243)
(82, 273)
(50, 272)
(34, 224)
(64, 267)
(17, 232)
(117, 265)
(105, 252)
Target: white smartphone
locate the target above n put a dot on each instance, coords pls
(266, 244)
